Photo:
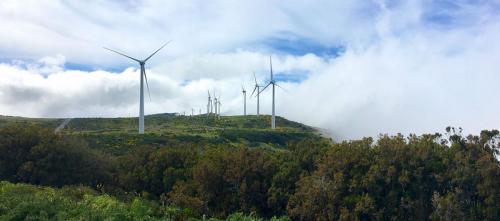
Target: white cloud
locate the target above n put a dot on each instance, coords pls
(70, 93)
(78, 29)
(420, 81)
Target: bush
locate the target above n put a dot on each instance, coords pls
(38, 156)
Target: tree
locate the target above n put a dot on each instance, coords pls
(38, 156)
(231, 180)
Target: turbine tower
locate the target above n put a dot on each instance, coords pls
(209, 105)
(272, 82)
(218, 106)
(257, 87)
(215, 104)
(143, 77)
(244, 100)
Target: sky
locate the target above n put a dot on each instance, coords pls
(354, 68)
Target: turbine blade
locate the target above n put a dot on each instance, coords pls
(255, 78)
(156, 51)
(264, 88)
(255, 88)
(271, 65)
(122, 54)
(147, 85)
(281, 88)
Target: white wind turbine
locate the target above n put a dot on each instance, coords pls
(257, 87)
(218, 106)
(244, 100)
(272, 82)
(209, 105)
(142, 76)
(215, 104)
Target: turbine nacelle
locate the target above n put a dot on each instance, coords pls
(256, 86)
(271, 82)
(142, 63)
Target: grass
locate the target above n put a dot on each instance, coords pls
(159, 123)
(6, 121)
(119, 135)
(30, 202)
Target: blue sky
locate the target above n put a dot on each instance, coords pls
(356, 68)
(300, 46)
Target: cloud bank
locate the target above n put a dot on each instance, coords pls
(355, 68)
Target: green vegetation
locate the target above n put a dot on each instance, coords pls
(119, 135)
(28, 202)
(191, 168)
(6, 121)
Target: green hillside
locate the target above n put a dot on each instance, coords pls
(162, 123)
(107, 155)
(171, 123)
(6, 121)
(119, 135)
(236, 168)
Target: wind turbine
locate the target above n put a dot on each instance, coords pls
(215, 104)
(209, 105)
(218, 106)
(257, 87)
(244, 100)
(272, 82)
(143, 73)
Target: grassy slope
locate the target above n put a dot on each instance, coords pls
(43, 122)
(119, 135)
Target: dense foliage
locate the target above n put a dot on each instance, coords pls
(27, 202)
(438, 177)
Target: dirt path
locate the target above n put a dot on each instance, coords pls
(62, 125)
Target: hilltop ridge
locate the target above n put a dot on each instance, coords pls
(158, 122)
(119, 135)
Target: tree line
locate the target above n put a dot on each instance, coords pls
(433, 176)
